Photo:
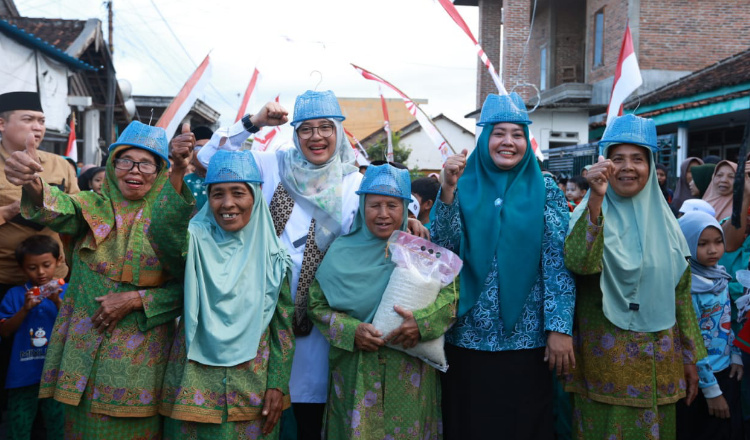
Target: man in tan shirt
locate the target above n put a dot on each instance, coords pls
(21, 114)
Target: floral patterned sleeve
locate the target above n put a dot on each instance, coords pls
(281, 341)
(167, 231)
(584, 246)
(559, 287)
(446, 227)
(59, 211)
(434, 320)
(691, 339)
(337, 327)
(160, 305)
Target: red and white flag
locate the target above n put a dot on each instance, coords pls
(432, 132)
(627, 77)
(386, 127)
(262, 140)
(246, 98)
(359, 145)
(183, 102)
(72, 150)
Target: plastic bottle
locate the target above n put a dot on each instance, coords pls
(48, 289)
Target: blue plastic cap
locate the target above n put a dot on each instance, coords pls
(386, 180)
(232, 166)
(629, 129)
(316, 105)
(145, 137)
(504, 108)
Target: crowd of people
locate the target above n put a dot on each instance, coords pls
(193, 289)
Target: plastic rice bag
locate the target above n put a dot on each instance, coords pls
(422, 269)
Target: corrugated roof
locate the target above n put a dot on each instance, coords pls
(50, 36)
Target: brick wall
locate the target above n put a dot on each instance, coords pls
(689, 35)
(570, 30)
(490, 19)
(540, 37)
(615, 18)
(517, 17)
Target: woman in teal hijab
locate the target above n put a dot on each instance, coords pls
(228, 372)
(375, 391)
(637, 340)
(515, 311)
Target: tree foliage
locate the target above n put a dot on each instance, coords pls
(400, 154)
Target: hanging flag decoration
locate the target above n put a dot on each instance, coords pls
(627, 77)
(386, 127)
(432, 132)
(246, 98)
(451, 10)
(359, 145)
(72, 149)
(261, 141)
(183, 102)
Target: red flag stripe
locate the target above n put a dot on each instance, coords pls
(451, 10)
(178, 100)
(246, 98)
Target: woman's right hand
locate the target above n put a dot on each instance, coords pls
(271, 114)
(368, 338)
(718, 407)
(452, 171)
(598, 180)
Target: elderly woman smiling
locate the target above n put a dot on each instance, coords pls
(375, 391)
(636, 338)
(228, 373)
(109, 347)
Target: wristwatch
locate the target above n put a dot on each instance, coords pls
(249, 127)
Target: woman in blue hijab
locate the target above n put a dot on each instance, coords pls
(515, 312)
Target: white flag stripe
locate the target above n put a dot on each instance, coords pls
(630, 79)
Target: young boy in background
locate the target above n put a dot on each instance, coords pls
(27, 315)
(575, 189)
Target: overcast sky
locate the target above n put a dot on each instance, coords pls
(411, 43)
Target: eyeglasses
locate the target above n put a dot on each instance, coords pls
(306, 132)
(144, 167)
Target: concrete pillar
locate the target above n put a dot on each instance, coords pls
(91, 152)
(516, 23)
(682, 143)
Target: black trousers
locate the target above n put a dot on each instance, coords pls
(309, 417)
(489, 395)
(694, 422)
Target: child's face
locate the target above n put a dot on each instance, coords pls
(573, 193)
(96, 182)
(661, 176)
(40, 269)
(710, 247)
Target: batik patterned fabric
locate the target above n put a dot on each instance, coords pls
(385, 394)
(124, 369)
(550, 305)
(213, 395)
(624, 377)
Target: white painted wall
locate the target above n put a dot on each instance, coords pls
(425, 155)
(545, 121)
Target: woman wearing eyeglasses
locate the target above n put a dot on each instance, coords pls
(110, 344)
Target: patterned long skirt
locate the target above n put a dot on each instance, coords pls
(595, 420)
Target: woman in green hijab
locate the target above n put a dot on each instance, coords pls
(108, 350)
(374, 391)
(229, 368)
(637, 340)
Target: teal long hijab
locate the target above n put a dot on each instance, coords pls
(644, 258)
(232, 285)
(356, 269)
(502, 212)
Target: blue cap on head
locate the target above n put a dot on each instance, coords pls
(316, 105)
(629, 129)
(386, 180)
(232, 166)
(504, 108)
(145, 137)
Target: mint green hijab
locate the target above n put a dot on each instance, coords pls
(232, 284)
(510, 233)
(644, 256)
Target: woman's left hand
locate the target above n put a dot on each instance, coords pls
(272, 406)
(113, 307)
(691, 378)
(415, 227)
(559, 353)
(407, 334)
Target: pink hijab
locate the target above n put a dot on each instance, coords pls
(722, 204)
